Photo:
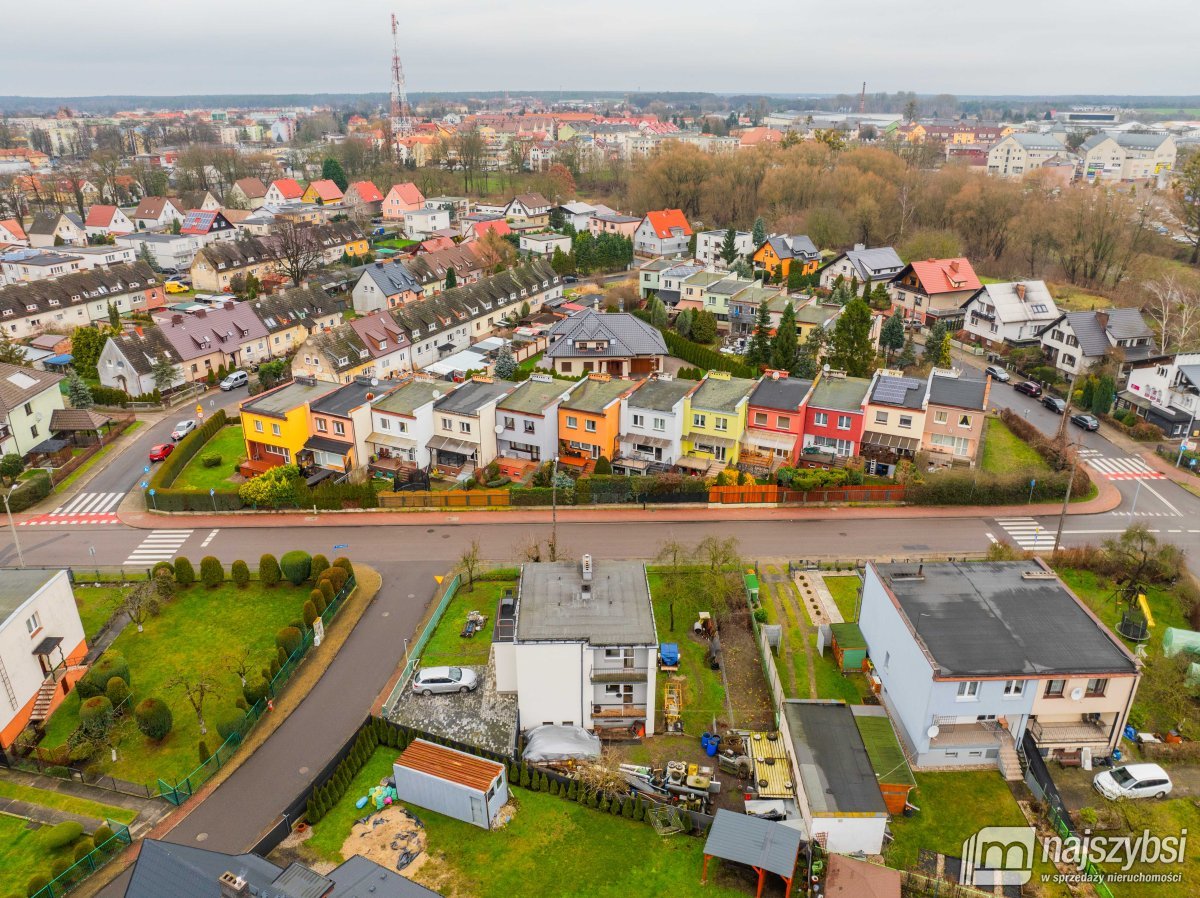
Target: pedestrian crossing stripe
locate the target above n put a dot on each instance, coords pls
(89, 503)
(70, 520)
(159, 545)
(1126, 468)
(1028, 534)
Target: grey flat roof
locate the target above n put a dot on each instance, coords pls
(988, 619)
(533, 396)
(835, 770)
(550, 606)
(406, 399)
(472, 396)
(958, 392)
(16, 586)
(281, 401)
(346, 398)
(784, 394)
(762, 844)
(660, 395)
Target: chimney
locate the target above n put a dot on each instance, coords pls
(954, 265)
(233, 886)
(859, 247)
(1021, 292)
(1102, 318)
(201, 313)
(229, 305)
(177, 319)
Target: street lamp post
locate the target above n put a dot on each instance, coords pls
(13, 526)
(553, 511)
(1183, 444)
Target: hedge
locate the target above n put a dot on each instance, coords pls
(167, 499)
(978, 488)
(698, 355)
(1051, 450)
(29, 492)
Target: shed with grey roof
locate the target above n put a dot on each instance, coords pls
(767, 846)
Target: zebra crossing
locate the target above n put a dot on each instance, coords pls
(84, 508)
(1128, 467)
(159, 545)
(1026, 533)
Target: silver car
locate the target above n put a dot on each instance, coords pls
(429, 680)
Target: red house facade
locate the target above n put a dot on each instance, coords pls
(774, 422)
(834, 415)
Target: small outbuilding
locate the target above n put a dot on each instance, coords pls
(850, 878)
(451, 782)
(849, 646)
(766, 846)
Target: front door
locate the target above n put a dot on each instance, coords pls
(45, 665)
(477, 816)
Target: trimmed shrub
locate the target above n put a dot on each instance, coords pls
(296, 566)
(162, 566)
(61, 834)
(185, 574)
(228, 724)
(325, 587)
(154, 718)
(117, 692)
(59, 867)
(240, 703)
(255, 692)
(102, 834)
(338, 577)
(82, 850)
(320, 564)
(95, 681)
(239, 572)
(288, 639)
(268, 571)
(212, 573)
(211, 460)
(310, 613)
(36, 884)
(315, 595)
(344, 563)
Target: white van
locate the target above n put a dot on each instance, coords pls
(235, 380)
(1133, 781)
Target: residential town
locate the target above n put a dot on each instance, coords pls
(476, 492)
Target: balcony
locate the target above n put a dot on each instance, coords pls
(619, 674)
(617, 711)
(966, 735)
(1072, 733)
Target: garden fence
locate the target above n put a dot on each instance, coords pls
(183, 789)
(88, 864)
(446, 499)
(417, 647)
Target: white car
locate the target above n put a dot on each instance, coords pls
(182, 429)
(1133, 781)
(429, 680)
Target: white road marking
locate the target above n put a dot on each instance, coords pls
(159, 545)
(208, 539)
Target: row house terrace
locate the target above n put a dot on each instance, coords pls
(78, 299)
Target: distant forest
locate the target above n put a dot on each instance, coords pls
(942, 104)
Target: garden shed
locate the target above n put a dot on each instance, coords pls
(766, 846)
(849, 646)
(451, 782)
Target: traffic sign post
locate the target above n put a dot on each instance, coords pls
(1032, 484)
(153, 501)
(212, 494)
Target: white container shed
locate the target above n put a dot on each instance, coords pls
(451, 782)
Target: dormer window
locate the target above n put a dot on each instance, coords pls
(362, 353)
(30, 307)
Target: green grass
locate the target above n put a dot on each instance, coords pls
(228, 442)
(63, 802)
(197, 631)
(1164, 818)
(1097, 593)
(446, 646)
(703, 691)
(883, 748)
(530, 363)
(96, 605)
(395, 243)
(551, 847)
(845, 594)
(22, 855)
(1004, 452)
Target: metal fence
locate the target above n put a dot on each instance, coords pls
(183, 789)
(417, 647)
(88, 864)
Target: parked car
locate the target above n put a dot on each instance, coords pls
(1087, 422)
(1029, 388)
(570, 279)
(176, 287)
(235, 379)
(182, 429)
(1056, 405)
(161, 451)
(429, 680)
(998, 373)
(1133, 781)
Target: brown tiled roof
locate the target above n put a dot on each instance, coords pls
(74, 288)
(76, 419)
(18, 385)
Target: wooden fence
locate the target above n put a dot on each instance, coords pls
(446, 499)
(775, 495)
(119, 426)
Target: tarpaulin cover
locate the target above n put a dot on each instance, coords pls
(559, 743)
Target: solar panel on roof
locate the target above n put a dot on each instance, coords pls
(894, 389)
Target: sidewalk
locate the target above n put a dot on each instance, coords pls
(149, 810)
(1106, 499)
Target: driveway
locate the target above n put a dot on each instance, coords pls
(1075, 785)
(484, 717)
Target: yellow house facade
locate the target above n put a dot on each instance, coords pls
(714, 418)
(275, 424)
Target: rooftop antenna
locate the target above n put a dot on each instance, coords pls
(401, 113)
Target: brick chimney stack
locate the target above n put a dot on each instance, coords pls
(1021, 292)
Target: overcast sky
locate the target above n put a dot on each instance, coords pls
(830, 46)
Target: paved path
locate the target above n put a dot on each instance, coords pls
(151, 809)
(44, 815)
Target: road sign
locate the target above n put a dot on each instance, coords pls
(212, 492)
(152, 492)
(144, 484)
(199, 410)
(146, 469)
(342, 546)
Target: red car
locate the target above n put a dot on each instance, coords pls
(161, 451)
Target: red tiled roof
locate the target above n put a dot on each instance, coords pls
(664, 219)
(434, 244)
(290, 189)
(946, 275)
(326, 190)
(408, 193)
(367, 192)
(100, 216)
(13, 227)
(496, 225)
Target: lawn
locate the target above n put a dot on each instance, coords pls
(19, 845)
(395, 243)
(1097, 593)
(96, 605)
(198, 631)
(446, 646)
(530, 363)
(63, 802)
(551, 847)
(844, 590)
(1004, 452)
(953, 806)
(228, 443)
(703, 690)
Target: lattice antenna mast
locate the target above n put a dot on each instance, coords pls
(401, 113)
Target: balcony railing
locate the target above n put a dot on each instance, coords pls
(616, 710)
(1073, 732)
(619, 674)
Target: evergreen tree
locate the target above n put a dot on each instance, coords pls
(808, 360)
(657, 312)
(451, 279)
(841, 294)
(908, 356)
(683, 323)
(933, 343)
(692, 245)
(743, 269)
(114, 317)
(760, 350)
(783, 347)
(11, 353)
(506, 366)
(851, 349)
(1102, 395)
(729, 247)
(795, 277)
(331, 170)
(704, 327)
(78, 392)
(759, 232)
(891, 337)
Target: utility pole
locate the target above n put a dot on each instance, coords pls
(862, 99)
(1062, 425)
(1062, 517)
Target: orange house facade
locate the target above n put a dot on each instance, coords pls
(778, 254)
(589, 419)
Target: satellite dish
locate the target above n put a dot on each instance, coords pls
(774, 375)
(825, 367)
(374, 381)
(499, 428)
(933, 731)
(1076, 693)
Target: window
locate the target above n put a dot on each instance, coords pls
(339, 428)
(530, 427)
(760, 419)
(843, 422)
(906, 421)
(566, 367)
(258, 426)
(940, 417)
(447, 424)
(639, 420)
(821, 419)
(957, 445)
(589, 425)
(321, 425)
(510, 423)
(1014, 688)
(1096, 688)
(34, 622)
(720, 424)
(699, 421)
(783, 422)
(385, 424)
(968, 690)
(887, 660)
(881, 417)
(964, 421)
(572, 422)
(28, 408)
(1055, 688)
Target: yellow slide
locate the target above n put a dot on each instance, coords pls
(1145, 606)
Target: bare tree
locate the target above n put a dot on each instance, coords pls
(12, 199)
(140, 604)
(469, 562)
(295, 248)
(239, 664)
(197, 688)
(1174, 305)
